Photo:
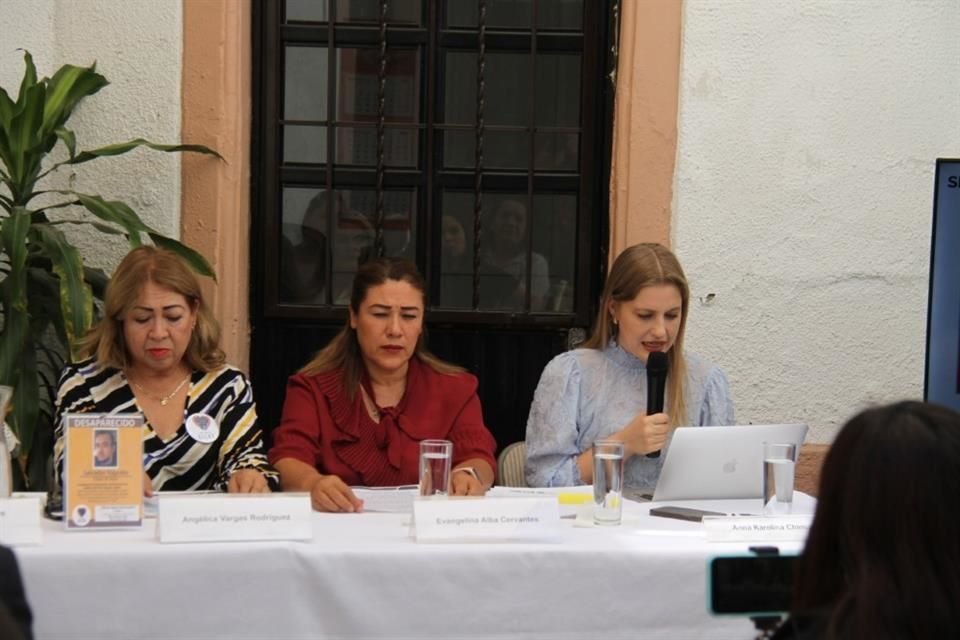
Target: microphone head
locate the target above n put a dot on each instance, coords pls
(657, 363)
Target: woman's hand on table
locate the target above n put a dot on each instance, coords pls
(465, 483)
(330, 493)
(147, 486)
(247, 481)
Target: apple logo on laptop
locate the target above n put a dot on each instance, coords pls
(730, 466)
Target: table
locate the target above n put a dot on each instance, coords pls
(363, 576)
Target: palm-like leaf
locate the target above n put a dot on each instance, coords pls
(47, 293)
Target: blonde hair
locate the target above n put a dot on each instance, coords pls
(105, 342)
(639, 266)
(343, 352)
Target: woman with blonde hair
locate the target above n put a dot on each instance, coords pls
(356, 413)
(156, 351)
(599, 391)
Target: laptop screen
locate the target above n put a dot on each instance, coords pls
(715, 463)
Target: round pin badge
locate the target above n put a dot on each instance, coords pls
(202, 428)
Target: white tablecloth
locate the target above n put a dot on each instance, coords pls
(363, 576)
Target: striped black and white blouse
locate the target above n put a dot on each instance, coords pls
(180, 463)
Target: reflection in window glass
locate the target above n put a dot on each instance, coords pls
(515, 14)
(460, 88)
(554, 237)
(359, 82)
(307, 11)
(507, 76)
(358, 146)
(456, 250)
(557, 151)
(560, 14)
(398, 11)
(304, 144)
(503, 273)
(558, 90)
(353, 234)
(518, 14)
(304, 247)
(501, 149)
(305, 84)
(503, 257)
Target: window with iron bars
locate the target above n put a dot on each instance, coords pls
(466, 135)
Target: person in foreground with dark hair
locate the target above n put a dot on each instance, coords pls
(882, 559)
(356, 413)
(16, 619)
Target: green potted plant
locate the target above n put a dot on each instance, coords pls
(46, 292)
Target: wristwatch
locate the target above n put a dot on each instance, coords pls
(471, 471)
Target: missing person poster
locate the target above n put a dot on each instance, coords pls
(103, 471)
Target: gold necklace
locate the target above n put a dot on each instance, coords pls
(163, 399)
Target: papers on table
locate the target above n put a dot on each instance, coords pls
(573, 500)
(387, 499)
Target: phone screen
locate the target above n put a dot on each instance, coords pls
(753, 585)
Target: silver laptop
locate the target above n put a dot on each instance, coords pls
(715, 463)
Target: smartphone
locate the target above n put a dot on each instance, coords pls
(683, 513)
(750, 585)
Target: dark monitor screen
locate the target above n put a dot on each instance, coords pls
(942, 377)
(751, 585)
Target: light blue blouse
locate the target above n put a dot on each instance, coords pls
(585, 395)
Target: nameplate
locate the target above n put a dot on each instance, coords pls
(486, 519)
(20, 521)
(757, 528)
(232, 517)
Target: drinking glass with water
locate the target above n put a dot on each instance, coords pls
(435, 458)
(779, 463)
(607, 482)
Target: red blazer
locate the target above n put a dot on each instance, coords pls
(322, 427)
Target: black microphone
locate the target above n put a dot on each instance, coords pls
(657, 365)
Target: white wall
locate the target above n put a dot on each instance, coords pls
(808, 132)
(137, 45)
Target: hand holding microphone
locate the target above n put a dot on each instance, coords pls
(657, 365)
(648, 432)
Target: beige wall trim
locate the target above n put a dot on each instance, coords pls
(215, 207)
(645, 123)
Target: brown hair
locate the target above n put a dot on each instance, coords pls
(343, 352)
(639, 266)
(105, 342)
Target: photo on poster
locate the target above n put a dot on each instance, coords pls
(105, 448)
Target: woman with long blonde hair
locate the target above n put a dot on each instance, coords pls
(599, 391)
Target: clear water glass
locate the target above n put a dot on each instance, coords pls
(435, 458)
(779, 465)
(607, 482)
